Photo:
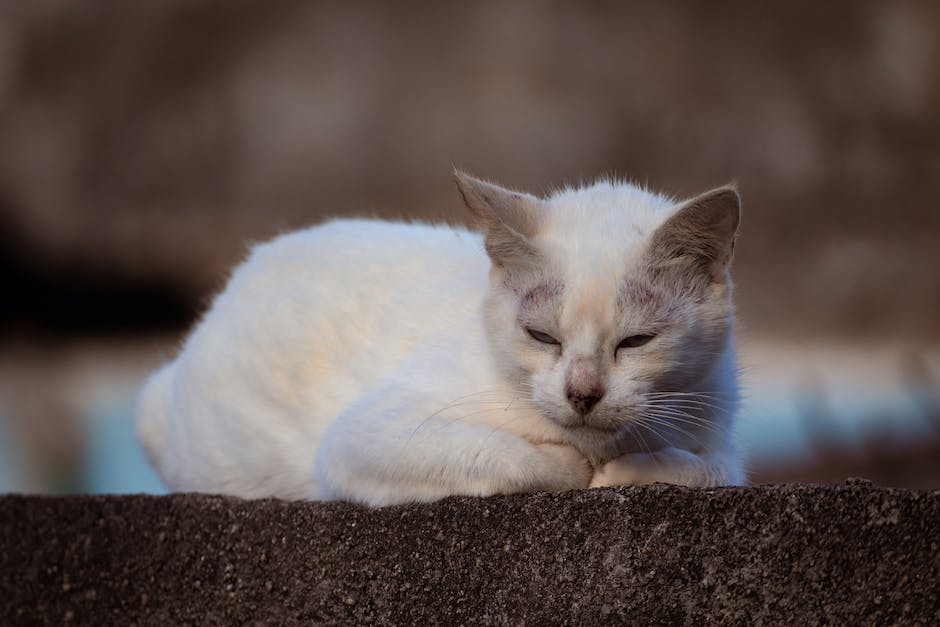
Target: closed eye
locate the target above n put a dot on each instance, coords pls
(544, 338)
(634, 341)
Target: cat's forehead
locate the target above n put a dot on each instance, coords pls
(594, 239)
(607, 203)
(604, 221)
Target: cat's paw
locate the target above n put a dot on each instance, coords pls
(669, 465)
(572, 469)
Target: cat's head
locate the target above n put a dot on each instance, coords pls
(610, 305)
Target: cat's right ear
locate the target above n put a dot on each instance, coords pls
(696, 244)
(510, 219)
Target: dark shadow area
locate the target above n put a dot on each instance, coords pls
(52, 300)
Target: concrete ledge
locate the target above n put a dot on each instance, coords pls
(796, 554)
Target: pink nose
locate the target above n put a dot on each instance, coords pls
(583, 385)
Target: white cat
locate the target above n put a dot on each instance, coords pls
(385, 363)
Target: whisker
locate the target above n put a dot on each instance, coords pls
(678, 411)
(669, 425)
(690, 420)
(461, 401)
(685, 402)
(462, 418)
(705, 428)
(643, 441)
(709, 395)
(499, 427)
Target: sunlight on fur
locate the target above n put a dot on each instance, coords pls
(582, 340)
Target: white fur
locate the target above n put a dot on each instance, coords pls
(383, 363)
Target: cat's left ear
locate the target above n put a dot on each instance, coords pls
(698, 240)
(509, 218)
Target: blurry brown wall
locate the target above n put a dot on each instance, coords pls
(147, 141)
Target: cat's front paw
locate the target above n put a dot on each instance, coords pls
(572, 470)
(669, 465)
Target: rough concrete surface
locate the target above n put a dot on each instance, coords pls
(660, 554)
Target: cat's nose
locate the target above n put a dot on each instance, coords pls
(584, 385)
(583, 402)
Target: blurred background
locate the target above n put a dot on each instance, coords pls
(145, 145)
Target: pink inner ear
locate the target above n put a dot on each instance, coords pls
(699, 235)
(497, 207)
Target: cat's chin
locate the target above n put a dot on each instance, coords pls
(588, 424)
(603, 441)
(593, 439)
(594, 429)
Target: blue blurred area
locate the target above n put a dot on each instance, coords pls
(12, 478)
(115, 463)
(777, 426)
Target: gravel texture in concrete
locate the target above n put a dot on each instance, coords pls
(851, 553)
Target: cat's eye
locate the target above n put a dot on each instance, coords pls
(544, 338)
(634, 341)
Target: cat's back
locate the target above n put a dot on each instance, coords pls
(353, 270)
(306, 325)
(347, 300)
(344, 291)
(334, 244)
(341, 249)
